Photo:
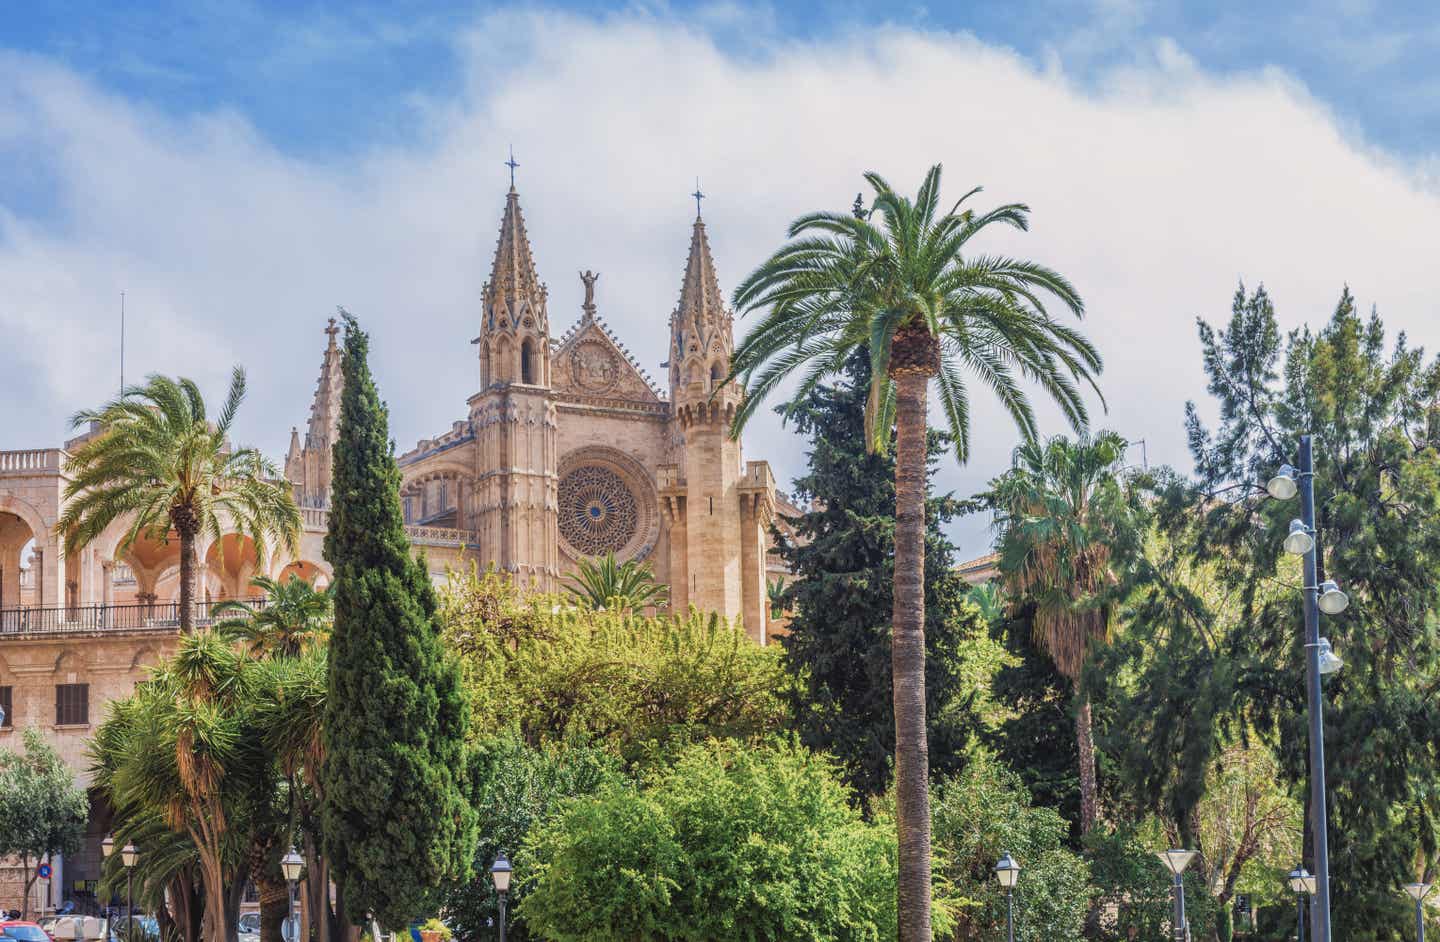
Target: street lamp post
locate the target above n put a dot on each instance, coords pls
(291, 865)
(1418, 892)
(1007, 871)
(1301, 541)
(128, 856)
(1302, 884)
(500, 873)
(107, 847)
(1176, 861)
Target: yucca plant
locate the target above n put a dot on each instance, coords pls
(605, 583)
(898, 281)
(161, 465)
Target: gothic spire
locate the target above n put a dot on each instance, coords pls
(702, 306)
(325, 407)
(513, 281)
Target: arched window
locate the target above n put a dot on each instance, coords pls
(485, 366)
(527, 362)
(716, 373)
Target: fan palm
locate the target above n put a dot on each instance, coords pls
(160, 464)
(295, 616)
(604, 583)
(903, 288)
(1071, 524)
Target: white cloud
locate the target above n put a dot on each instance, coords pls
(1154, 189)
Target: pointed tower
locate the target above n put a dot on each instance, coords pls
(716, 545)
(513, 416)
(308, 466)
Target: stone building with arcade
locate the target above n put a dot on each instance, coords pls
(565, 450)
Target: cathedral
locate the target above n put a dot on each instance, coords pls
(568, 450)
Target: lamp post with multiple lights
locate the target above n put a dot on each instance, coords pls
(1302, 884)
(1418, 892)
(500, 874)
(1176, 861)
(1320, 659)
(1007, 871)
(291, 865)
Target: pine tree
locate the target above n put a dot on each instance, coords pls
(397, 826)
(838, 647)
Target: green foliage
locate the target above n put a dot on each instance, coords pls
(1210, 661)
(604, 583)
(516, 789)
(727, 842)
(1134, 890)
(624, 682)
(1072, 523)
(294, 617)
(160, 463)
(838, 647)
(985, 812)
(435, 925)
(396, 715)
(42, 811)
(847, 282)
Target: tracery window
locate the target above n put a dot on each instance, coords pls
(598, 513)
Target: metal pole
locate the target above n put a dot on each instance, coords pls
(1179, 908)
(1320, 905)
(129, 902)
(1299, 917)
(1420, 919)
(294, 923)
(502, 917)
(1010, 914)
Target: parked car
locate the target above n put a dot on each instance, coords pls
(21, 930)
(45, 922)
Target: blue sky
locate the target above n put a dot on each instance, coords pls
(318, 77)
(239, 169)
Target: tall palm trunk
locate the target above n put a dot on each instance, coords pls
(187, 524)
(913, 362)
(1085, 747)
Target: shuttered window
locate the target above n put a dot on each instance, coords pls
(72, 704)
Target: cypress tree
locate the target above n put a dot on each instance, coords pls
(397, 826)
(838, 646)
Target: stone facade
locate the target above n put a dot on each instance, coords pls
(569, 450)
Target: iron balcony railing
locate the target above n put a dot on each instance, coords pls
(90, 618)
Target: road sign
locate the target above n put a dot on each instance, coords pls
(43, 871)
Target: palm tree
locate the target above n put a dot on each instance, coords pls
(904, 289)
(161, 465)
(604, 583)
(180, 750)
(1071, 525)
(295, 616)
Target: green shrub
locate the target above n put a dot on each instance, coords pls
(728, 841)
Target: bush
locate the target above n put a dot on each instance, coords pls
(630, 684)
(729, 841)
(516, 789)
(985, 812)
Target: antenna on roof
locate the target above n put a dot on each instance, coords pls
(122, 343)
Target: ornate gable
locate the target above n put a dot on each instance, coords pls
(591, 365)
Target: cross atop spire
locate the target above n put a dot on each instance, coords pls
(512, 165)
(698, 197)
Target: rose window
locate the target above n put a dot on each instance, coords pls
(597, 511)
